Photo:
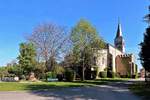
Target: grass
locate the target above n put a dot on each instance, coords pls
(141, 89)
(113, 79)
(30, 86)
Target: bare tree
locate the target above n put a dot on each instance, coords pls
(50, 41)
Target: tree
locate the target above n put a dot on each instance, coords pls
(84, 38)
(15, 70)
(3, 72)
(49, 40)
(69, 60)
(145, 47)
(27, 58)
(40, 70)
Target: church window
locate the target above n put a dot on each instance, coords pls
(94, 60)
(103, 61)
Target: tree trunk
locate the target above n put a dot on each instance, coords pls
(145, 77)
(83, 70)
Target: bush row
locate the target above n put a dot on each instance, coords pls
(68, 75)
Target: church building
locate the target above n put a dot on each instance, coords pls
(113, 58)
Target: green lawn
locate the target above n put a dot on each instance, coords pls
(141, 89)
(15, 86)
(30, 86)
(113, 79)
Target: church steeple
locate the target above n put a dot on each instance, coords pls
(119, 31)
(119, 41)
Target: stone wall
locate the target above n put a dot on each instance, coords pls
(114, 53)
(125, 65)
(100, 59)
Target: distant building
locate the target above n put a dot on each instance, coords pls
(114, 58)
(142, 73)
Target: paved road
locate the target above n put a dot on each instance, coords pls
(112, 91)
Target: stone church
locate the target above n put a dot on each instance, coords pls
(114, 59)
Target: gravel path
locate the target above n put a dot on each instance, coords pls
(112, 91)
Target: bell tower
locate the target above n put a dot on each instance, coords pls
(119, 41)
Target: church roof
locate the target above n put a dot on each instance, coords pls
(108, 44)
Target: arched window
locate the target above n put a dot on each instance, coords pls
(94, 60)
(103, 61)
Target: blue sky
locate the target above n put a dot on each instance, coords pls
(19, 17)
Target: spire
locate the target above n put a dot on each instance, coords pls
(119, 31)
(119, 41)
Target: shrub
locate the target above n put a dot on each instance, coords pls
(22, 77)
(69, 75)
(128, 76)
(103, 74)
(135, 76)
(117, 75)
(60, 77)
(113, 75)
(123, 76)
(50, 75)
(58, 69)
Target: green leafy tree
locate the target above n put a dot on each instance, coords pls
(145, 47)
(27, 58)
(15, 70)
(39, 70)
(3, 72)
(84, 38)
